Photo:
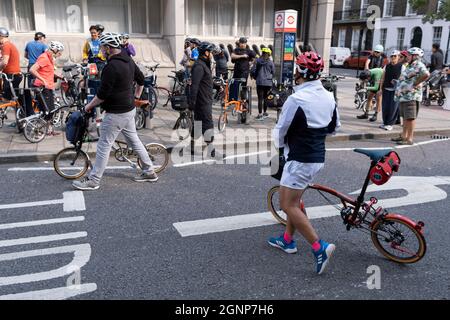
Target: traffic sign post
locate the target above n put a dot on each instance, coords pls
(284, 45)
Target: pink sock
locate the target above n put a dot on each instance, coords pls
(287, 238)
(316, 246)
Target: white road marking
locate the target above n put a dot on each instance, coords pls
(81, 256)
(53, 294)
(420, 190)
(39, 223)
(187, 164)
(246, 155)
(42, 239)
(72, 201)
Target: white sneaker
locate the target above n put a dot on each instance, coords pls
(388, 128)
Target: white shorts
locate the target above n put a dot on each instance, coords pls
(297, 175)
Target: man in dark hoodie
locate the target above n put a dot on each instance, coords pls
(264, 71)
(201, 97)
(116, 96)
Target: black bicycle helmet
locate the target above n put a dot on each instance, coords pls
(243, 40)
(100, 28)
(196, 41)
(364, 75)
(206, 46)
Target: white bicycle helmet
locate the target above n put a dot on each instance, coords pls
(56, 46)
(113, 40)
(379, 48)
(416, 51)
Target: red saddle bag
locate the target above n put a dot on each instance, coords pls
(384, 169)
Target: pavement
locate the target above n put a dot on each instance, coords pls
(201, 232)
(432, 121)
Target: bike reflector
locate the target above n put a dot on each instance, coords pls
(384, 169)
(93, 70)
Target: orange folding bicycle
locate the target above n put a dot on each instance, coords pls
(240, 104)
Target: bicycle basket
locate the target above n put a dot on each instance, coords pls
(384, 169)
(179, 102)
(180, 75)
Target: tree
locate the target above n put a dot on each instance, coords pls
(443, 12)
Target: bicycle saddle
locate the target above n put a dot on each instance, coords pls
(374, 155)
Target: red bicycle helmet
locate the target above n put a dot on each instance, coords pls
(310, 65)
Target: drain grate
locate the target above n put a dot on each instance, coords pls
(439, 137)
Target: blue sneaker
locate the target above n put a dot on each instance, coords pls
(323, 255)
(281, 244)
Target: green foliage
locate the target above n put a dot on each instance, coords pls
(442, 14)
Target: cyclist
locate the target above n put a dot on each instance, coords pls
(44, 72)
(308, 116)
(409, 93)
(264, 71)
(91, 49)
(390, 76)
(200, 98)
(374, 76)
(9, 64)
(116, 96)
(194, 50)
(33, 50)
(127, 46)
(242, 57)
(221, 58)
(376, 59)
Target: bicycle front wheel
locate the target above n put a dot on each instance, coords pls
(71, 163)
(223, 120)
(35, 130)
(397, 240)
(140, 119)
(159, 156)
(273, 202)
(184, 127)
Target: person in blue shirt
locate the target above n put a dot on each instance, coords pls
(34, 49)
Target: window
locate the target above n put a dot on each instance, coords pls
(409, 10)
(355, 39)
(400, 38)
(341, 41)
(364, 5)
(17, 15)
(383, 34)
(388, 8)
(64, 15)
(145, 21)
(437, 35)
(230, 18)
(113, 14)
(195, 17)
(347, 6)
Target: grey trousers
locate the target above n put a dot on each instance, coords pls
(112, 126)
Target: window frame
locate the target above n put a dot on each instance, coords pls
(409, 11)
(15, 20)
(400, 47)
(342, 35)
(147, 27)
(385, 7)
(434, 39)
(383, 36)
(265, 33)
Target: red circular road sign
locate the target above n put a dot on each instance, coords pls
(291, 20)
(279, 20)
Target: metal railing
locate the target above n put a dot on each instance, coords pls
(350, 15)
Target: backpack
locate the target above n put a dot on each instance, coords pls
(75, 127)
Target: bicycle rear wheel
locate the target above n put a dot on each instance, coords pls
(71, 163)
(397, 240)
(36, 130)
(159, 156)
(273, 202)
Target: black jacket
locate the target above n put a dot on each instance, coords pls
(201, 93)
(117, 87)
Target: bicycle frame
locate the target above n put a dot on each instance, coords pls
(227, 103)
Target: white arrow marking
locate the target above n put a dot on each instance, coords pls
(42, 239)
(420, 190)
(72, 201)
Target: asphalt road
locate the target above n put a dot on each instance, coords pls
(127, 245)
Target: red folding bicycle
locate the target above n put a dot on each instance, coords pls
(398, 238)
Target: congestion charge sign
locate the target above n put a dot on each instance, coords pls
(285, 28)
